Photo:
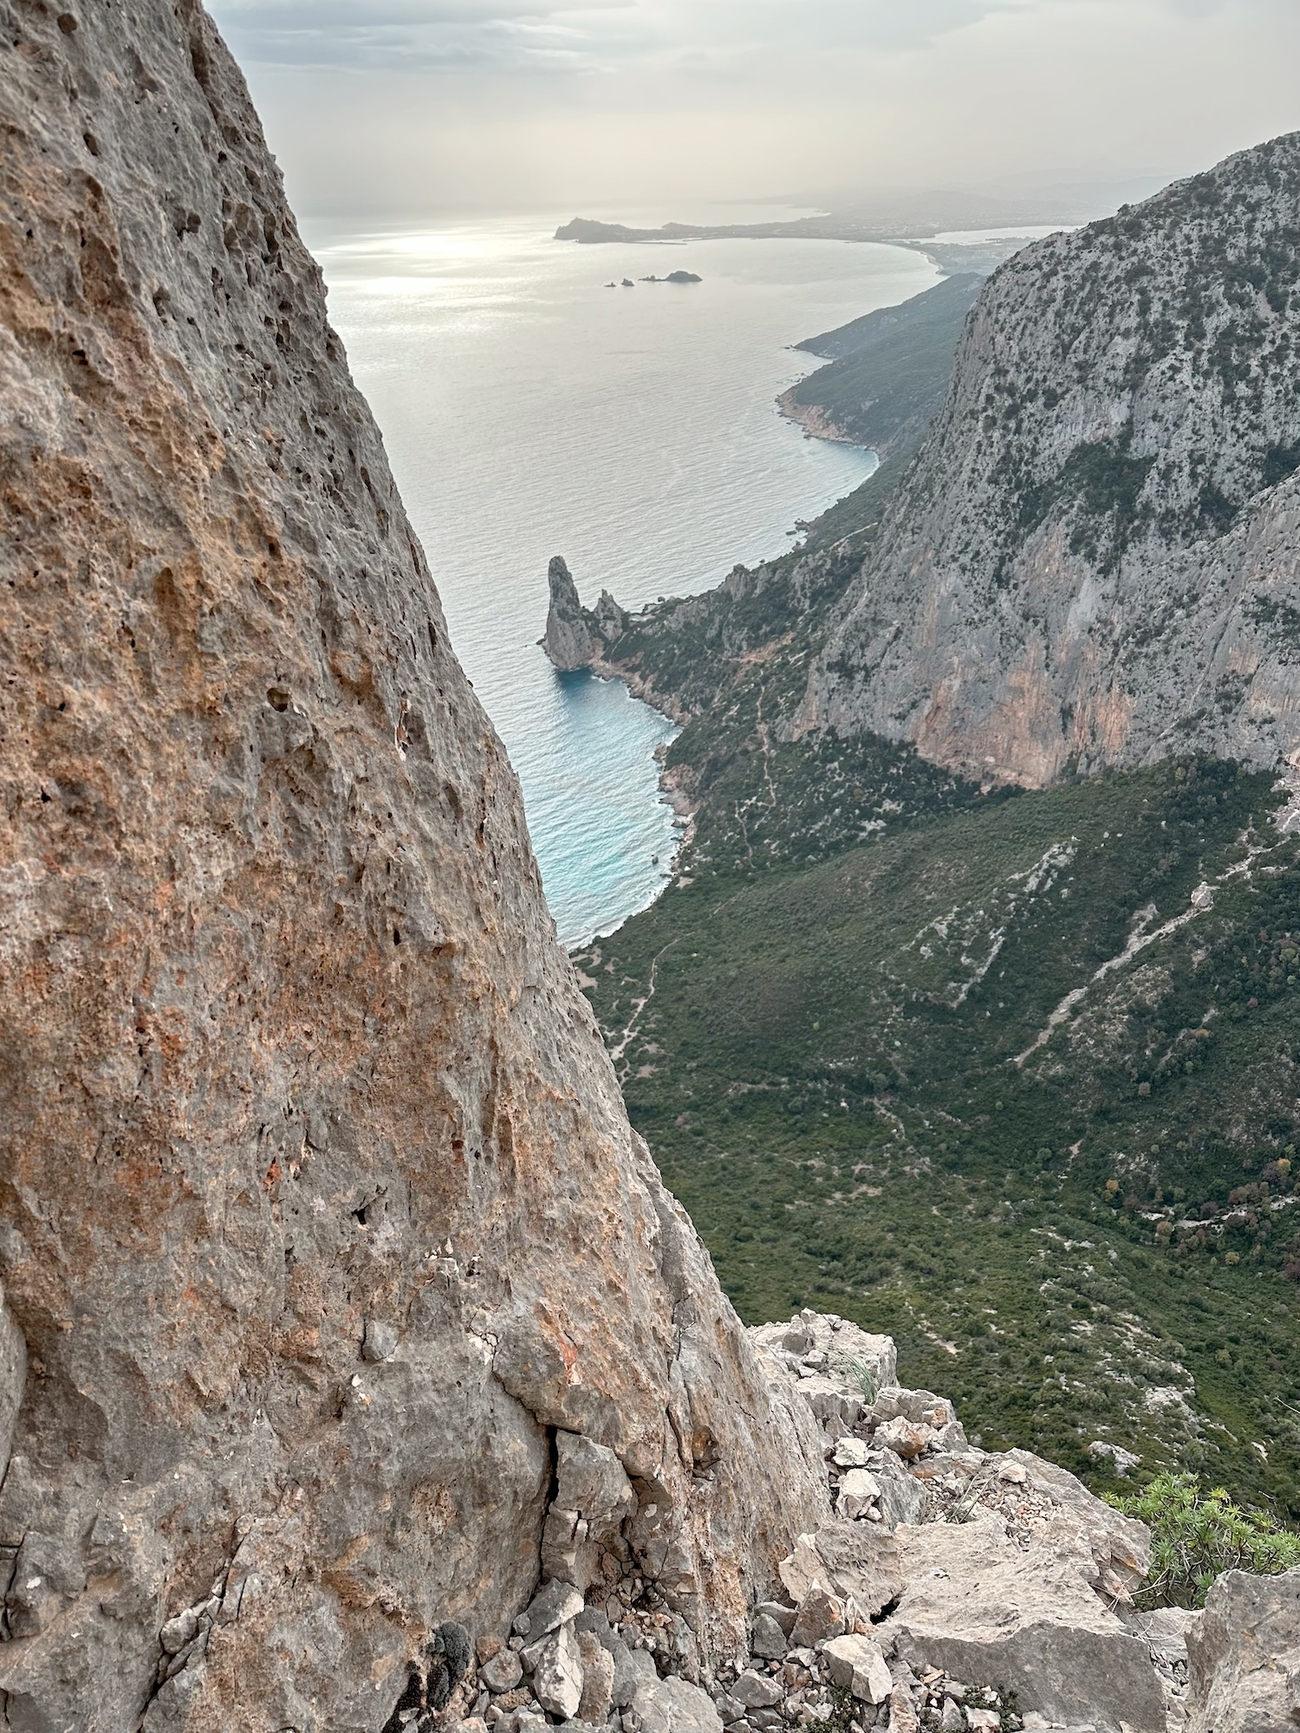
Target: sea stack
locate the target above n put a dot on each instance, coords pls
(568, 640)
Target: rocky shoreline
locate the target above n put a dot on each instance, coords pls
(814, 420)
(955, 1591)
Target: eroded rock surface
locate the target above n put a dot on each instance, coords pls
(320, 1216)
(1243, 1656)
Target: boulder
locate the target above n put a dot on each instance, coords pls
(557, 1675)
(921, 1407)
(767, 1639)
(859, 1491)
(851, 1452)
(1119, 1543)
(857, 1664)
(597, 1679)
(1243, 1656)
(672, 1706)
(834, 1401)
(902, 1498)
(593, 1499)
(851, 1560)
(757, 1690)
(906, 1438)
(820, 1615)
(502, 1672)
(989, 1613)
(784, 1616)
(553, 1605)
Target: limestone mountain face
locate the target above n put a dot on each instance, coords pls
(324, 1240)
(1095, 559)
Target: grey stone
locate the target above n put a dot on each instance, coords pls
(555, 1604)
(951, 1720)
(1119, 1544)
(381, 1341)
(858, 1664)
(783, 1615)
(597, 1679)
(921, 1407)
(820, 1615)
(177, 1632)
(852, 1560)
(757, 1690)
(906, 1438)
(502, 1673)
(593, 1499)
(767, 1639)
(1243, 1656)
(672, 1706)
(557, 1674)
(902, 1712)
(13, 1378)
(859, 1490)
(902, 1498)
(729, 1708)
(990, 1613)
(627, 1669)
(851, 1452)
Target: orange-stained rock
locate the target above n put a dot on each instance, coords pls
(319, 1209)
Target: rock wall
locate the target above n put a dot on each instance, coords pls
(321, 1222)
(1095, 559)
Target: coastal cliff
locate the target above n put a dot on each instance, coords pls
(1095, 560)
(324, 1240)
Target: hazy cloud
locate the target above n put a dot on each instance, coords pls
(417, 35)
(436, 104)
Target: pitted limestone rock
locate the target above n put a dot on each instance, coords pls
(986, 1611)
(289, 1049)
(1243, 1656)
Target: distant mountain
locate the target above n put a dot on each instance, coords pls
(1096, 557)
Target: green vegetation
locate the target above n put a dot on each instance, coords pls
(840, 1072)
(1197, 1535)
(891, 368)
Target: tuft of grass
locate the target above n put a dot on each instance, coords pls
(1197, 1535)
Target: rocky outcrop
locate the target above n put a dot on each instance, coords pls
(1244, 1656)
(1095, 559)
(577, 637)
(337, 1291)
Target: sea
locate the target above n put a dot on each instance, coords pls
(529, 409)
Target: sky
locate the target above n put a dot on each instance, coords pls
(419, 107)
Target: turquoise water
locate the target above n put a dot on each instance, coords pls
(528, 411)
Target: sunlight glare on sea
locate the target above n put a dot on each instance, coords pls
(528, 410)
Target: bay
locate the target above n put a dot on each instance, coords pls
(529, 410)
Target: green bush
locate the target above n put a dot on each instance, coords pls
(1197, 1535)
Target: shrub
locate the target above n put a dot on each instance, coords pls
(1197, 1535)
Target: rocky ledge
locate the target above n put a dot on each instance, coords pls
(955, 1590)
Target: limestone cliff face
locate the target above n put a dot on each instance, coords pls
(1096, 557)
(320, 1215)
